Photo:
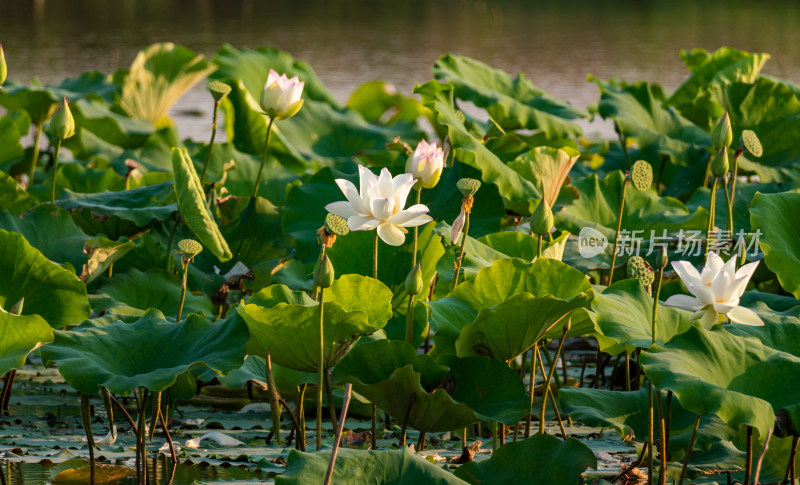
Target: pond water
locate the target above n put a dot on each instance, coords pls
(349, 42)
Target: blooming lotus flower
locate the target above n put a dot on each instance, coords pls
(379, 205)
(280, 98)
(426, 164)
(716, 290)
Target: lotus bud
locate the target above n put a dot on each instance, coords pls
(218, 90)
(62, 126)
(323, 273)
(280, 98)
(3, 66)
(663, 258)
(426, 164)
(542, 218)
(414, 282)
(719, 166)
(722, 135)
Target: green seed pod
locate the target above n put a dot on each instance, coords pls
(189, 247)
(218, 90)
(336, 225)
(640, 269)
(468, 187)
(663, 258)
(722, 135)
(62, 125)
(642, 175)
(751, 143)
(414, 282)
(542, 218)
(3, 66)
(720, 165)
(323, 273)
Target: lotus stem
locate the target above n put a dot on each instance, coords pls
(761, 456)
(301, 419)
(2, 476)
(689, 452)
(711, 211)
(275, 399)
(550, 373)
(156, 414)
(263, 158)
(211, 142)
(106, 394)
(321, 367)
(729, 203)
(538, 245)
(421, 441)
(662, 473)
(749, 457)
(184, 267)
(633, 465)
(623, 143)
(550, 361)
(375, 255)
(331, 405)
(347, 392)
(55, 172)
(374, 429)
(410, 321)
(460, 258)
(790, 466)
(735, 173)
(668, 423)
(126, 414)
(619, 227)
(534, 354)
(169, 244)
(141, 455)
(164, 417)
(411, 400)
(416, 233)
(5, 397)
(650, 432)
(87, 427)
(35, 159)
(558, 415)
(627, 372)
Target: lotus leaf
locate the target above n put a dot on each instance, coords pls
(19, 336)
(772, 214)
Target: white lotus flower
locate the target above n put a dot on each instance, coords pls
(379, 205)
(426, 164)
(280, 98)
(716, 290)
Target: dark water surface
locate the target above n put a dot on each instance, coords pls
(348, 42)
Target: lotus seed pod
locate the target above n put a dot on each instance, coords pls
(663, 258)
(542, 218)
(640, 269)
(189, 247)
(323, 273)
(62, 126)
(336, 225)
(3, 66)
(468, 187)
(751, 143)
(642, 175)
(720, 165)
(722, 135)
(218, 90)
(414, 282)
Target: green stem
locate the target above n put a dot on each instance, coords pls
(155, 415)
(534, 354)
(185, 266)
(650, 432)
(729, 203)
(263, 158)
(35, 160)
(549, 378)
(331, 404)
(416, 233)
(211, 143)
(460, 258)
(410, 321)
(538, 245)
(275, 400)
(55, 172)
(655, 302)
(375, 255)
(662, 474)
(616, 233)
(624, 144)
(87, 427)
(748, 466)
(735, 173)
(140, 443)
(689, 450)
(169, 244)
(321, 368)
(711, 206)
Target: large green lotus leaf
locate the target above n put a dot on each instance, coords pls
(134, 292)
(194, 206)
(50, 230)
(625, 412)
(389, 372)
(539, 459)
(252, 228)
(50, 291)
(398, 467)
(469, 149)
(153, 156)
(598, 207)
(123, 213)
(150, 352)
(12, 197)
(96, 116)
(773, 214)
(13, 127)
(254, 369)
(658, 131)
(102, 253)
(378, 100)
(547, 168)
(714, 450)
(361, 293)
(775, 334)
(624, 316)
(512, 102)
(714, 372)
(38, 101)
(769, 108)
(291, 331)
(725, 66)
(507, 330)
(19, 336)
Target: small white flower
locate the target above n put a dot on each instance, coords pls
(426, 164)
(280, 98)
(716, 290)
(379, 205)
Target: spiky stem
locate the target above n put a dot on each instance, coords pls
(211, 142)
(87, 427)
(263, 158)
(275, 399)
(320, 367)
(339, 429)
(185, 267)
(549, 378)
(460, 258)
(55, 172)
(689, 451)
(616, 233)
